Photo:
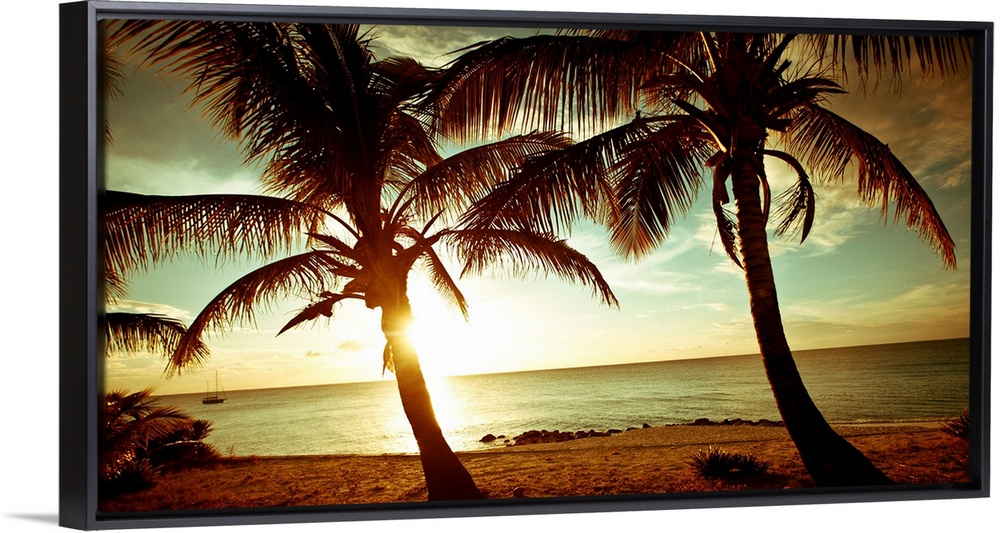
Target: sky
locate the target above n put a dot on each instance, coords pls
(854, 281)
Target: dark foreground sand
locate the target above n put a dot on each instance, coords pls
(642, 461)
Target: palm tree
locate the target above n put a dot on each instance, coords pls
(710, 101)
(350, 163)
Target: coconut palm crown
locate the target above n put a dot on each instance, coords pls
(350, 167)
(666, 112)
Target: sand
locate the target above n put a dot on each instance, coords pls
(642, 461)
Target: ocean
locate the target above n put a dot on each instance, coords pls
(916, 381)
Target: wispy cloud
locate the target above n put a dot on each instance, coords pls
(928, 126)
(432, 45)
(351, 345)
(147, 308)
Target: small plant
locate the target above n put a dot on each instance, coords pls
(140, 439)
(716, 464)
(958, 426)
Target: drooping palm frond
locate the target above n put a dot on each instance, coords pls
(236, 304)
(400, 81)
(113, 77)
(442, 281)
(545, 82)
(875, 56)
(133, 332)
(455, 182)
(113, 84)
(115, 285)
(799, 199)
(406, 151)
(552, 190)
(829, 143)
(656, 180)
(725, 223)
(323, 307)
(143, 231)
(519, 252)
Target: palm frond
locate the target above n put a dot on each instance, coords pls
(444, 283)
(544, 82)
(553, 189)
(115, 285)
(323, 307)
(133, 332)
(406, 150)
(288, 92)
(797, 199)
(875, 56)
(401, 80)
(130, 420)
(113, 84)
(336, 244)
(142, 231)
(725, 223)
(455, 182)
(657, 180)
(830, 143)
(237, 303)
(522, 251)
(387, 362)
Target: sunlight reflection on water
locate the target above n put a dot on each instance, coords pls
(914, 381)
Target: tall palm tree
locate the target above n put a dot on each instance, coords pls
(667, 108)
(349, 163)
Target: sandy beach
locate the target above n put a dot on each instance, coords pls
(641, 461)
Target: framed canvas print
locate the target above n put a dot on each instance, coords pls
(325, 264)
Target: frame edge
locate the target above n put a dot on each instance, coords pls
(77, 172)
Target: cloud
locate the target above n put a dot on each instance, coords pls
(919, 303)
(928, 126)
(432, 45)
(147, 308)
(351, 345)
(161, 146)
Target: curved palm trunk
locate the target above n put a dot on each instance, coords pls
(830, 460)
(446, 477)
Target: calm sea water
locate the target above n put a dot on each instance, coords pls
(897, 382)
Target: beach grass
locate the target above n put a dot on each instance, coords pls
(644, 461)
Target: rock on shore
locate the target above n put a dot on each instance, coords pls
(537, 436)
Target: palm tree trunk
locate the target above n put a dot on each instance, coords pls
(446, 477)
(829, 459)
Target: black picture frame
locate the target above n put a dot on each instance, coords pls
(80, 276)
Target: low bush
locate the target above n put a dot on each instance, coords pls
(720, 464)
(139, 439)
(958, 426)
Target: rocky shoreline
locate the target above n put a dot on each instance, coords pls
(538, 436)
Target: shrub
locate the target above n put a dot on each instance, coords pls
(140, 438)
(716, 464)
(958, 426)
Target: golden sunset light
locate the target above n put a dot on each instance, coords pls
(425, 244)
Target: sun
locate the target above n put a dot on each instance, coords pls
(448, 345)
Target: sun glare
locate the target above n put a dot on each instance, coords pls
(447, 344)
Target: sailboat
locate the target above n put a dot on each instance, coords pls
(214, 398)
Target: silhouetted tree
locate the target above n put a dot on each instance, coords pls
(349, 162)
(662, 109)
